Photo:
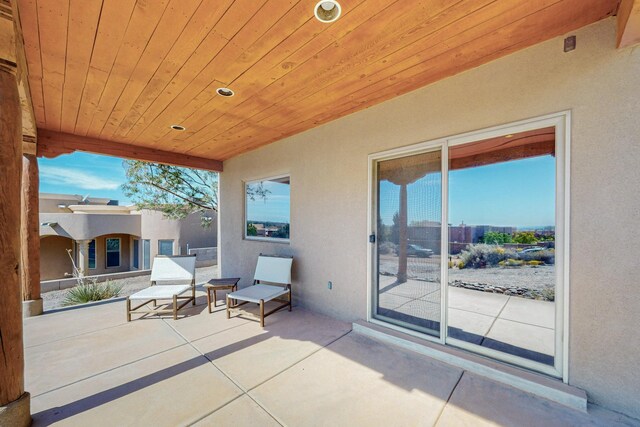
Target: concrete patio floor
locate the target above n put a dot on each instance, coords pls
(515, 325)
(87, 366)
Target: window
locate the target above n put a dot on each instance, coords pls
(267, 204)
(146, 254)
(92, 254)
(113, 252)
(165, 247)
(136, 253)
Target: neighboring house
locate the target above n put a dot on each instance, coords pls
(105, 237)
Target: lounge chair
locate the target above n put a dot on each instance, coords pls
(171, 276)
(272, 269)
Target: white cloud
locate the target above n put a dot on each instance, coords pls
(76, 178)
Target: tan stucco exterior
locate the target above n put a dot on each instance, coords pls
(329, 190)
(54, 261)
(101, 255)
(62, 219)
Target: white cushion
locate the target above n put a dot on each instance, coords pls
(178, 268)
(256, 293)
(274, 270)
(160, 292)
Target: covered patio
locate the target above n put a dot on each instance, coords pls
(264, 89)
(302, 369)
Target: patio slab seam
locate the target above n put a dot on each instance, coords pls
(108, 370)
(229, 403)
(299, 361)
(74, 336)
(494, 320)
(449, 397)
(523, 323)
(244, 390)
(238, 385)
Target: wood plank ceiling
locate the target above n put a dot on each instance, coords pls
(126, 70)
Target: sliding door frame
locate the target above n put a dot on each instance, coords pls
(562, 123)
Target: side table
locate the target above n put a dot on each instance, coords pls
(214, 285)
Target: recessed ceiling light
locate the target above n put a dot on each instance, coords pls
(225, 91)
(177, 127)
(327, 11)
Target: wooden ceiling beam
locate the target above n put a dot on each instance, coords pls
(12, 56)
(628, 23)
(52, 144)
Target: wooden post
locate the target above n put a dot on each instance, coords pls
(14, 402)
(30, 234)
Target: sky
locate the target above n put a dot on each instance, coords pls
(519, 193)
(84, 174)
(274, 208)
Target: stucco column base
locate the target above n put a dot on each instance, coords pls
(17, 413)
(32, 307)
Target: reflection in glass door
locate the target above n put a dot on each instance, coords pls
(409, 212)
(498, 287)
(502, 222)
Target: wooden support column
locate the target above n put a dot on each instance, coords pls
(14, 402)
(30, 234)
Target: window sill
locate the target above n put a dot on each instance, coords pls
(268, 239)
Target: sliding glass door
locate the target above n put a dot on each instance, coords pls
(409, 213)
(502, 229)
(490, 277)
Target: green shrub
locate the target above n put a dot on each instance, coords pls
(93, 291)
(496, 238)
(526, 237)
(548, 293)
(483, 255)
(511, 262)
(547, 256)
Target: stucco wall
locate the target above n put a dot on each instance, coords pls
(329, 180)
(82, 226)
(187, 231)
(54, 261)
(101, 255)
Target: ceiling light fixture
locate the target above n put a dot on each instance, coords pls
(327, 11)
(177, 127)
(225, 91)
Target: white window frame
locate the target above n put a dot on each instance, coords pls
(562, 123)
(106, 252)
(245, 219)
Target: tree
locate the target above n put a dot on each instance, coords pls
(526, 237)
(251, 230)
(176, 191)
(172, 190)
(495, 238)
